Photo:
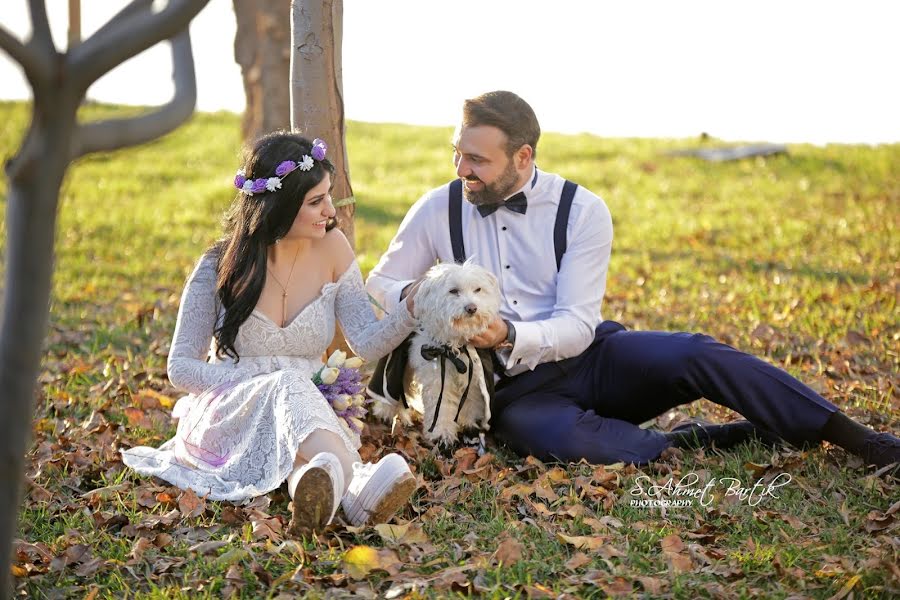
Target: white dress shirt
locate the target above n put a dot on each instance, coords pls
(554, 314)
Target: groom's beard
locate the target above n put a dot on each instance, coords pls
(496, 192)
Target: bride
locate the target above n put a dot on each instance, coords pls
(256, 316)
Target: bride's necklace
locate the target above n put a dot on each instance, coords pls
(284, 293)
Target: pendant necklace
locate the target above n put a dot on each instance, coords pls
(284, 293)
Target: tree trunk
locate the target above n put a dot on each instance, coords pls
(317, 95)
(35, 175)
(262, 47)
(30, 225)
(317, 99)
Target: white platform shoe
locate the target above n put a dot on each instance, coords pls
(316, 489)
(378, 490)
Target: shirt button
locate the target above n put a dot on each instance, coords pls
(503, 228)
(507, 266)
(515, 301)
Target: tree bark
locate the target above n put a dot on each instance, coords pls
(317, 100)
(262, 47)
(317, 94)
(54, 138)
(30, 225)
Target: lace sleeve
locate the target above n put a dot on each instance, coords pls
(368, 337)
(187, 365)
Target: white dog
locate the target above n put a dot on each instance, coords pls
(454, 303)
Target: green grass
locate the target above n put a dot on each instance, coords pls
(794, 258)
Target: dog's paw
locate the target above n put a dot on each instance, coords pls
(385, 410)
(445, 436)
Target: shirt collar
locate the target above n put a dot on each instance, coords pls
(529, 184)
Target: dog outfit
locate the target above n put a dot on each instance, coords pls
(576, 387)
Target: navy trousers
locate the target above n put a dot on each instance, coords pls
(589, 407)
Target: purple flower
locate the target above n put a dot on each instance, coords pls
(319, 148)
(239, 181)
(285, 168)
(259, 185)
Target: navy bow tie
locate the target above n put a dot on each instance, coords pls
(517, 203)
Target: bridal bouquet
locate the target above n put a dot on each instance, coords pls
(340, 381)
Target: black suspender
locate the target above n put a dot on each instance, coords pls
(559, 228)
(456, 238)
(562, 220)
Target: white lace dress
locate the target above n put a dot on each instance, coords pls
(240, 427)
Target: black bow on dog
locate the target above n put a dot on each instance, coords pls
(432, 352)
(445, 352)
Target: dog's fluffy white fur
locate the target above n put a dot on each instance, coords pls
(454, 303)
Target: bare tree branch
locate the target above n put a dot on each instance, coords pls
(27, 56)
(39, 24)
(135, 7)
(133, 34)
(110, 134)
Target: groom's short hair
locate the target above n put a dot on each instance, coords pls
(508, 113)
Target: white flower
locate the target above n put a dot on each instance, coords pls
(342, 402)
(306, 163)
(357, 423)
(354, 362)
(329, 376)
(273, 183)
(248, 187)
(358, 399)
(240, 173)
(337, 358)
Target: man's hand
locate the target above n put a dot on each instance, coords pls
(495, 334)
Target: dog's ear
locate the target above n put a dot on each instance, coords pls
(492, 278)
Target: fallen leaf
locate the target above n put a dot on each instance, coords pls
(584, 542)
(140, 546)
(89, 568)
(652, 585)
(509, 552)
(191, 505)
(408, 533)
(107, 493)
(359, 561)
(538, 591)
(18, 571)
(232, 556)
(207, 547)
(878, 521)
(147, 399)
(675, 552)
(848, 587)
(578, 560)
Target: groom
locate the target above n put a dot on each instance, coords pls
(571, 386)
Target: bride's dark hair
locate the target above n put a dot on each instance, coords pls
(254, 223)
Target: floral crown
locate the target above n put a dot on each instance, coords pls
(263, 184)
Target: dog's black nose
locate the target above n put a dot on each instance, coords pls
(471, 309)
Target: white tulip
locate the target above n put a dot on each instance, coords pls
(358, 399)
(342, 402)
(357, 423)
(329, 376)
(354, 362)
(337, 358)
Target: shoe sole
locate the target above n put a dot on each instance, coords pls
(392, 500)
(313, 502)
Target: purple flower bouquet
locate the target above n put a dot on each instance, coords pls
(340, 381)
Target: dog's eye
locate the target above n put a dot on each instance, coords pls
(454, 291)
